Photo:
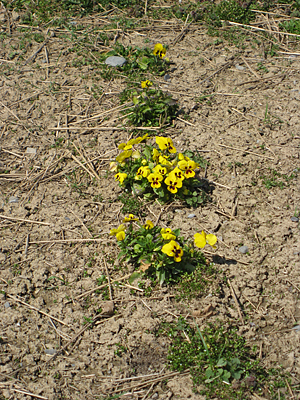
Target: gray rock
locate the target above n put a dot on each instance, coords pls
(31, 150)
(239, 67)
(13, 199)
(296, 328)
(191, 215)
(167, 77)
(243, 249)
(6, 305)
(115, 61)
(50, 352)
(294, 219)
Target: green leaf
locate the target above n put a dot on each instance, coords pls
(137, 248)
(209, 373)
(226, 376)
(222, 362)
(133, 277)
(143, 63)
(237, 374)
(161, 276)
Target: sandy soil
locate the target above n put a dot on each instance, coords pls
(51, 209)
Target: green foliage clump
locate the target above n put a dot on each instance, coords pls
(230, 10)
(221, 363)
(138, 62)
(151, 108)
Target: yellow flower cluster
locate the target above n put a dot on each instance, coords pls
(173, 249)
(172, 173)
(161, 168)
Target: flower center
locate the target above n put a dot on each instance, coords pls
(176, 252)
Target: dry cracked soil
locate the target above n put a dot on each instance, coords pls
(239, 108)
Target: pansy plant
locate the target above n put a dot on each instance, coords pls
(158, 170)
(159, 252)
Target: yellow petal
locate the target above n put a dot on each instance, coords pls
(211, 239)
(200, 239)
(120, 235)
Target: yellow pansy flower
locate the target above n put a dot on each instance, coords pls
(165, 144)
(120, 176)
(124, 146)
(149, 224)
(167, 234)
(159, 50)
(188, 167)
(141, 138)
(173, 249)
(155, 180)
(156, 155)
(118, 233)
(162, 160)
(177, 173)
(136, 155)
(130, 218)
(113, 166)
(146, 84)
(142, 172)
(173, 184)
(183, 157)
(160, 170)
(200, 239)
(122, 156)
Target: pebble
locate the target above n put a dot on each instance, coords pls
(6, 305)
(294, 219)
(30, 150)
(191, 215)
(50, 352)
(13, 199)
(178, 211)
(167, 77)
(115, 61)
(297, 328)
(239, 67)
(243, 249)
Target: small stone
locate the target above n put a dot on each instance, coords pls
(239, 67)
(6, 305)
(13, 199)
(294, 219)
(67, 218)
(167, 77)
(243, 249)
(296, 328)
(115, 61)
(50, 352)
(178, 211)
(191, 215)
(31, 150)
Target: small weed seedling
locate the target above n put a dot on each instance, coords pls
(276, 179)
(159, 252)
